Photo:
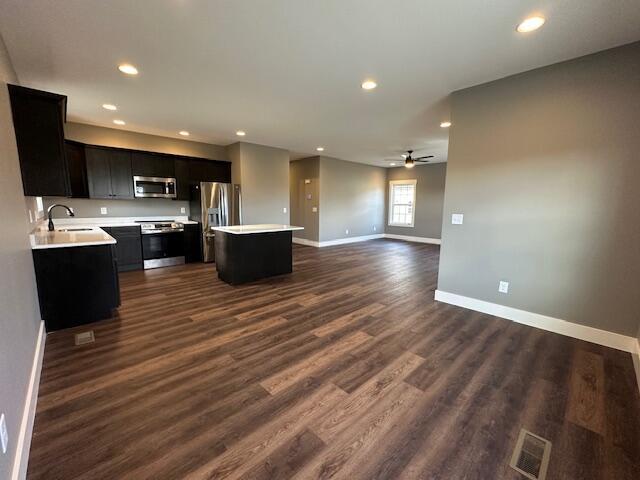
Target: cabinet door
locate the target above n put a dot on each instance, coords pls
(181, 166)
(128, 247)
(98, 172)
(192, 243)
(209, 171)
(37, 120)
(121, 176)
(152, 165)
(77, 169)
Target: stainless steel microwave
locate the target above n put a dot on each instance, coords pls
(154, 187)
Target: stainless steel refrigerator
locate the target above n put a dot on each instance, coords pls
(214, 204)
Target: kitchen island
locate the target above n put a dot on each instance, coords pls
(245, 253)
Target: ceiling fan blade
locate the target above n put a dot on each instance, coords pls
(422, 161)
(422, 158)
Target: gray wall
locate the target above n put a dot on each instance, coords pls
(430, 180)
(352, 197)
(151, 207)
(263, 173)
(545, 167)
(19, 313)
(112, 137)
(302, 214)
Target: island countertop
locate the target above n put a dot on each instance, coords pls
(257, 228)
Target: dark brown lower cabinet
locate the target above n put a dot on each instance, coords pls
(128, 247)
(192, 243)
(76, 285)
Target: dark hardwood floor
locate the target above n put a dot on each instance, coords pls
(345, 369)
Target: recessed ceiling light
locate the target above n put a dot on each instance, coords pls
(530, 24)
(128, 69)
(109, 106)
(392, 164)
(320, 149)
(241, 133)
(445, 124)
(184, 133)
(369, 85)
(119, 122)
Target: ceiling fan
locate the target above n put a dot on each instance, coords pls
(409, 161)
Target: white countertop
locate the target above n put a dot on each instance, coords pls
(258, 228)
(118, 221)
(43, 238)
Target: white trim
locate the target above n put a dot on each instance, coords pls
(392, 183)
(636, 361)
(556, 325)
(23, 445)
(342, 241)
(304, 241)
(364, 238)
(409, 238)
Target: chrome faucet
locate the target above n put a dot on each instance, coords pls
(69, 213)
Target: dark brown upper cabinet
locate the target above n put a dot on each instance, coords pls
(147, 164)
(109, 173)
(181, 167)
(38, 121)
(209, 171)
(77, 165)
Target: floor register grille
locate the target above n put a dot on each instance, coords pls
(531, 455)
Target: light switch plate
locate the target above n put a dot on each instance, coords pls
(457, 218)
(503, 287)
(183, 210)
(314, 209)
(103, 210)
(347, 231)
(4, 435)
(284, 210)
(307, 180)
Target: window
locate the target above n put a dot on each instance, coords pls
(402, 198)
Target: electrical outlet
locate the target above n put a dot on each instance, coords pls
(346, 231)
(183, 210)
(503, 287)
(457, 218)
(375, 228)
(4, 435)
(314, 209)
(284, 210)
(103, 210)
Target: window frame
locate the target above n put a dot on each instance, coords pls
(392, 183)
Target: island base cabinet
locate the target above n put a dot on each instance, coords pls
(76, 285)
(245, 258)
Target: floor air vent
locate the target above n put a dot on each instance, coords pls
(85, 337)
(531, 455)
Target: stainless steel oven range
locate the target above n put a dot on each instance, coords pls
(162, 243)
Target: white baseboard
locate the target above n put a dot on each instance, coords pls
(551, 324)
(636, 362)
(364, 238)
(304, 241)
(23, 445)
(409, 238)
(342, 241)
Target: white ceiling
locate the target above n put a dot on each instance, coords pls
(289, 71)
